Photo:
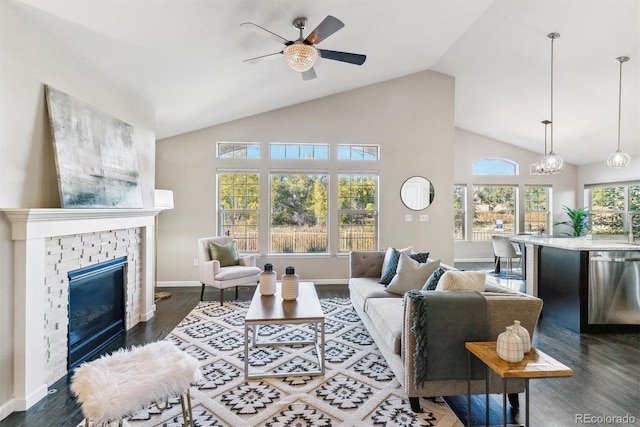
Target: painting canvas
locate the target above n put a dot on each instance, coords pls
(95, 155)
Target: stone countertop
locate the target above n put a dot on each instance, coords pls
(578, 243)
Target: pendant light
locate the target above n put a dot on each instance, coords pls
(551, 162)
(537, 167)
(619, 159)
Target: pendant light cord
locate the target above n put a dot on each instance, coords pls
(619, 100)
(551, 140)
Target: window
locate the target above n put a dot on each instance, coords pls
(614, 209)
(536, 209)
(459, 204)
(238, 205)
(357, 210)
(299, 151)
(493, 211)
(494, 167)
(238, 149)
(358, 152)
(299, 208)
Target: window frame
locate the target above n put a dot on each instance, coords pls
(373, 212)
(245, 244)
(476, 233)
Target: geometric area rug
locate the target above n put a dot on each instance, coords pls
(358, 388)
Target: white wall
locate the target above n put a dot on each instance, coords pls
(30, 59)
(471, 147)
(411, 118)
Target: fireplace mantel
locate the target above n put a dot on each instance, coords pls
(30, 228)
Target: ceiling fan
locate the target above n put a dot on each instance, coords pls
(301, 54)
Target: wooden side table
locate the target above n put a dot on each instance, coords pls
(535, 364)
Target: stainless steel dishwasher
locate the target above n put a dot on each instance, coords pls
(614, 287)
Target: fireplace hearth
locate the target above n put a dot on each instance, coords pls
(96, 309)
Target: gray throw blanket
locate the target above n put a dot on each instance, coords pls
(442, 323)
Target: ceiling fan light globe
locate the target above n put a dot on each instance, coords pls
(300, 57)
(618, 160)
(552, 163)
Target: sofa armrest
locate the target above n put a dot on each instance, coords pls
(366, 263)
(502, 310)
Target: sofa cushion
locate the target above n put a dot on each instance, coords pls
(386, 314)
(390, 263)
(462, 281)
(364, 288)
(411, 274)
(388, 255)
(432, 281)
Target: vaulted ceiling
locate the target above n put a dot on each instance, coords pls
(185, 57)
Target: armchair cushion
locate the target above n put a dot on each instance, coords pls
(236, 272)
(226, 253)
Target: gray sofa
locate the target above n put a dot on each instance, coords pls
(389, 319)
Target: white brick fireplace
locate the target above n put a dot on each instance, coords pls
(50, 242)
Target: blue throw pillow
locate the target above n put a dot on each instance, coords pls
(390, 272)
(432, 281)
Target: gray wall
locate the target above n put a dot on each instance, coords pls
(411, 118)
(30, 59)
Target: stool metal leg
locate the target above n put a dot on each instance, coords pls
(184, 411)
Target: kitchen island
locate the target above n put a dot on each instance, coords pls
(587, 285)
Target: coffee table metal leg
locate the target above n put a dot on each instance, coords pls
(246, 351)
(468, 388)
(486, 395)
(526, 400)
(504, 402)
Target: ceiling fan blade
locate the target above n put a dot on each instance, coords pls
(310, 74)
(258, 29)
(327, 27)
(352, 58)
(262, 58)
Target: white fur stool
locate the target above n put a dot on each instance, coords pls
(126, 381)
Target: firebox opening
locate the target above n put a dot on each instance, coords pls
(96, 309)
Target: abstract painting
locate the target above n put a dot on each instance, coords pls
(95, 155)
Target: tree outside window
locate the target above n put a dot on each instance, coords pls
(615, 209)
(299, 208)
(357, 210)
(536, 209)
(493, 211)
(238, 208)
(459, 203)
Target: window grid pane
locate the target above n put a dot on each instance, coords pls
(459, 203)
(238, 150)
(299, 208)
(493, 211)
(238, 214)
(607, 210)
(536, 204)
(298, 151)
(357, 212)
(358, 152)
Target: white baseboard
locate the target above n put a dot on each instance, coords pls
(6, 409)
(195, 284)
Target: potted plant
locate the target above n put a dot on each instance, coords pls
(578, 221)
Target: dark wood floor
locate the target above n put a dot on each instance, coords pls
(605, 382)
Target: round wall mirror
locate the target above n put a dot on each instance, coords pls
(417, 193)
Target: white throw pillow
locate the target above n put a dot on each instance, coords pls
(387, 257)
(411, 274)
(462, 281)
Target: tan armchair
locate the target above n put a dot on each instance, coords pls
(212, 274)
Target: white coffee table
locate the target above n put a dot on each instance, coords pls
(270, 310)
